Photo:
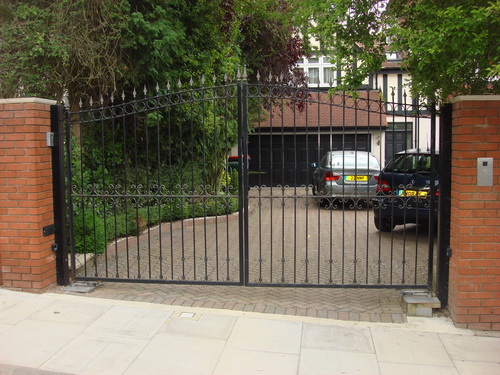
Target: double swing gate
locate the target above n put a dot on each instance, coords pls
(213, 185)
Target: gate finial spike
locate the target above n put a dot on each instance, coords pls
(191, 81)
(91, 101)
(134, 93)
(270, 77)
(238, 74)
(145, 91)
(101, 100)
(203, 80)
(157, 88)
(80, 103)
(214, 78)
(245, 75)
(168, 86)
(112, 98)
(258, 76)
(179, 83)
(123, 95)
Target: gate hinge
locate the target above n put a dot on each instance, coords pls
(448, 252)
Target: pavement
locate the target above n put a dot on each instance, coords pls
(58, 333)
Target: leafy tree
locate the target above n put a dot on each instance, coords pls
(52, 47)
(449, 47)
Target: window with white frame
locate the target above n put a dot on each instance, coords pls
(313, 75)
(329, 75)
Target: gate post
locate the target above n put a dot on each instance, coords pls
(443, 260)
(59, 189)
(27, 260)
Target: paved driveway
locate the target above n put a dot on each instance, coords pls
(290, 241)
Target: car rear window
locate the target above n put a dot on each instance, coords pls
(411, 163)
(346, 161)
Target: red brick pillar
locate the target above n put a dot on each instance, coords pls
(474, 285)
(27, 261)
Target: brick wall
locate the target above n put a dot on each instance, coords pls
(26, 203)
(474, 287)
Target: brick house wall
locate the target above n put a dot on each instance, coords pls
(474, 285)
(27, 261)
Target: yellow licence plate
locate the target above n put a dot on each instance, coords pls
(413, 193)
(356, 178)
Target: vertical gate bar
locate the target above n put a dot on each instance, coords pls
(204, 179)
(307, 206)
(193, 187)
(59, 194)
(356, 103)
(369, 149)
(318, 158)
(432, 197)
(104, 198)
(243, 173)
(393, 114)
(171, 192)
(159, 198)
(136, 193)
(343, 211)
(114, 191)
(259, 180)
(125, 187)
(82, 190)
(271, 160)
(283, 155)
(148, 199)
(92, 194)
(217, 259)
(330, 148)
(296, 168)
(182, 194)
(228, 258)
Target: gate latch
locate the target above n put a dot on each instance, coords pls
(448, 252)
(54, 247)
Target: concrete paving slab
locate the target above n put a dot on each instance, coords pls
(398, 346)
(337, 338)
(18, 370)
(327, 362)
(249, 362)
(96, 355)
(266, 335)
(129, 321)
(79, 312)
(205, 327)
(170, 354)
(486, 349)
(477, 368)
(30, 343)
(14, 310)
(406, 369)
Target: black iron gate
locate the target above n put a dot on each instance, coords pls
(152, 196)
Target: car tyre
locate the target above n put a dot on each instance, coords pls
(384, 225)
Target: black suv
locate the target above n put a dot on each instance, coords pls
(403, 190)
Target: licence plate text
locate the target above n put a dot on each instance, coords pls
(356, 178)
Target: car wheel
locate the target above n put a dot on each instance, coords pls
(384, 225)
